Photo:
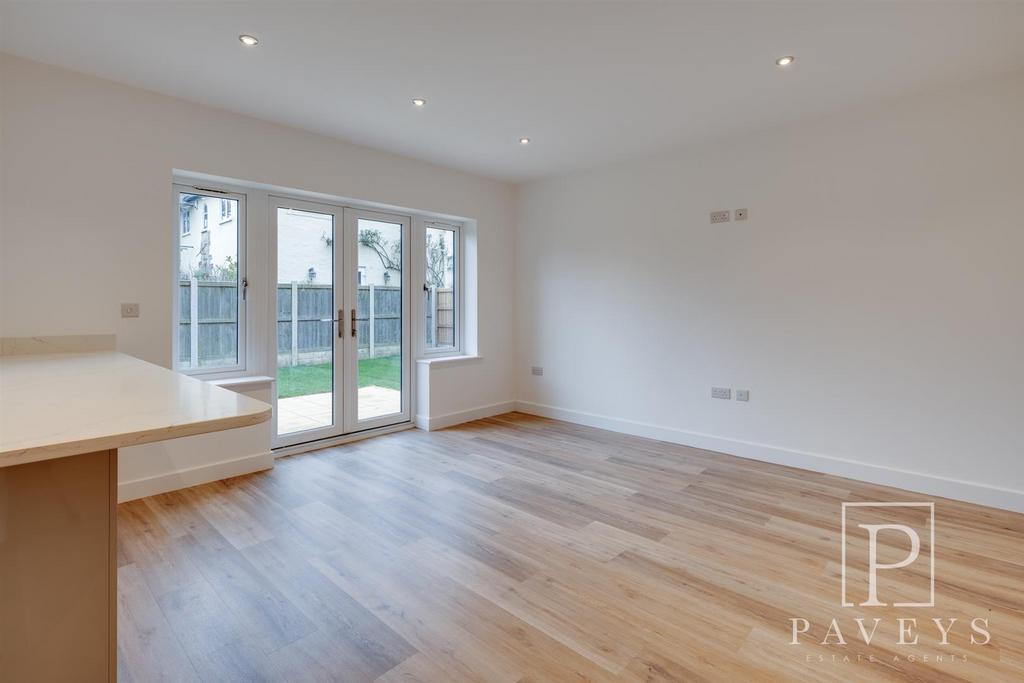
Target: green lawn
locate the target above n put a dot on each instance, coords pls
(301, 380)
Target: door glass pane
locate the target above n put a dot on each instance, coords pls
(305, 327)
(440, 289)
(208, 294)
(378, 280)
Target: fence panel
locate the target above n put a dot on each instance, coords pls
(428, 306)
(304, 328)
(185, 323)
(218, 322)
(387, 312)
(306, 336)
(445, 317)
(440, 317)
(215, 326)
(313, 326)
(363, 317)
(284, 320)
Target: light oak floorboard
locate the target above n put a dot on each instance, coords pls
(518, 549)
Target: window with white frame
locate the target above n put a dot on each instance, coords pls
(209, 293)
(441, 288)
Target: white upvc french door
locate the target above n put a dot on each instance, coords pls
(309, 322)
(378, 348)
(342, 320)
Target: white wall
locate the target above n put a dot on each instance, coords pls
(179, 463)
(86, 218)
(872, 303)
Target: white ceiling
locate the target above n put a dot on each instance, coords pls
(588, 82)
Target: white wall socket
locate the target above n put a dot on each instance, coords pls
(721, 392)
(720, 216)
(537, 370)
(743, 394)
(129, 310)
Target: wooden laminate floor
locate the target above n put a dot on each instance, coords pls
(521, 550)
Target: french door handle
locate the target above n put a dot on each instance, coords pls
(340, 319)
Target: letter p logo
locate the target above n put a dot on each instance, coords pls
(874, 566)
(923, 515)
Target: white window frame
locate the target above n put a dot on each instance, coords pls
(459, 298)
(352, 216)
(177, 188)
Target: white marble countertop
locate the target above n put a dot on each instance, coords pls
(53, 406)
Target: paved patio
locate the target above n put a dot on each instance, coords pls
(299, 413)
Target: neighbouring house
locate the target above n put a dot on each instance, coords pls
(209, 241)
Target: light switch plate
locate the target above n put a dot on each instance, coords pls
(743, 394)
(129, 310)
(537, 371)
(741, 214)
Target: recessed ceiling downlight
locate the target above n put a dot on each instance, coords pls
(419, 102)
(246, 39)
(524, 141)
(785, 61)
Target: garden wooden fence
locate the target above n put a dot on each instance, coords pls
(440, 317)
(208, 321)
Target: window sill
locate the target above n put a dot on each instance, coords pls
(450, 361)
(241, 382)
(205, 374)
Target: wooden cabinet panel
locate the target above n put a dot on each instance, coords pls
(58, 591)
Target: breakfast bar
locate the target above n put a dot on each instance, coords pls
(63, 418)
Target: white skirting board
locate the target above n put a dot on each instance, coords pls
(193, 476)
(451, 419)
(982, 494)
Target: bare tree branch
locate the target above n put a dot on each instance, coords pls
(389, 253)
